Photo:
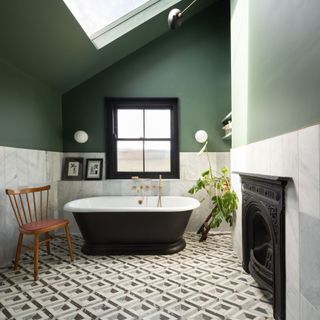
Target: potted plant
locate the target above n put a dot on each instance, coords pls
(218, 188)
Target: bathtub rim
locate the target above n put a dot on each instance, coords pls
(192, 205)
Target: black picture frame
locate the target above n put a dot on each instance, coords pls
(94, 168)
(72, 169)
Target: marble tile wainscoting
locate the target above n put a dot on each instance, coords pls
(24, 168)
(191, 166)
(295, 155)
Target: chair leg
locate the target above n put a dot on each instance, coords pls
(48, 243)
(36, 256)
(19, 244)
(69, 241)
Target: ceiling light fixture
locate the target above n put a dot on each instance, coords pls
(175, 16)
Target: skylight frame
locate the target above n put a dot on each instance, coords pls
(127, 22)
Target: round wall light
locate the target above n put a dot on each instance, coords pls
(81, 136)
(174, 19)
(201, 136)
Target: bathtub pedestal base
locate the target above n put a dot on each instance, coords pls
(132, 248)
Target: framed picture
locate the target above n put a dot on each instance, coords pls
(94, 169)
(72, 169)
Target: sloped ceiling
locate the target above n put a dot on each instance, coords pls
(42, 38)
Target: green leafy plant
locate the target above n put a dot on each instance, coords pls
(218, 188)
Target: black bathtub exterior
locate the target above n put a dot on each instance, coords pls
(107, 233)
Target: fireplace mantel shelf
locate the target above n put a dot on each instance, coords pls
(262, 176)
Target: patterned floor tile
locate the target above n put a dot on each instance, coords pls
(8, 291)
(203, 315)
(204, 281)
(101, 309)
(141, 309)
(61, 309)
(35, 315)
(222, 309)
(181, 310)
(160, 316)
(247, 315)
(162, 300)
(77, 315)
(200, 300)
(118, 315)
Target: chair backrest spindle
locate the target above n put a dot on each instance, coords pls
(41, 204)
(35, 206)
(47, 205)
(18, 217)
(17, 208)
(23, 211)
(29, 209)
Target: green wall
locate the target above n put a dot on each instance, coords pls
(30, 112)
(192, 63)
(283, 68)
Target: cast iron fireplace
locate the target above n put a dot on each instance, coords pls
(263, 235)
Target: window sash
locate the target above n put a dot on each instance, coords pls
(112, 107)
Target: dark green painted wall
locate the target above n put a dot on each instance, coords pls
(192, 63)
(284, 68)
(30, 111)
(42, 38)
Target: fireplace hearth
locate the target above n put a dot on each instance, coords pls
(263, 234)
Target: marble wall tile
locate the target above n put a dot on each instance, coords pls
(237, 217)
(20, 168)
(192, 164)
(289, 165)
(180, 188)
(294, 155)
(238, 159)
(54, 165)
(2, 167)
(292, 263)
(254, 160)
(227, 160)
(112, 187)
(68, 191)
(24, 167)
(310, 258)
(276, 156)
(290, 151)
(307, 310)
(10, 163)
(309, 170)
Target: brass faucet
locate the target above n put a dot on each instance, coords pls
(159, 204)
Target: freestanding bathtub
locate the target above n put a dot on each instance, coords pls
(125, 225)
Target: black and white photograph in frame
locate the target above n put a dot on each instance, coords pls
(94, 169)
(72, 169)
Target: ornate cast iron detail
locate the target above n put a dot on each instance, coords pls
(263, 204)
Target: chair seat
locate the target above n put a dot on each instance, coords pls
(43, 225)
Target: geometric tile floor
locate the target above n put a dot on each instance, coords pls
(204, 281)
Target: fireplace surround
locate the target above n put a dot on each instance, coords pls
(263, 234)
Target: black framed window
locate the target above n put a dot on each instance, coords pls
(142, 137)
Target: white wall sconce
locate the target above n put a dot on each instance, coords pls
(81, 136)
(201, 136)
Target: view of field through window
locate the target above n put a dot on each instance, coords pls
(143, 140)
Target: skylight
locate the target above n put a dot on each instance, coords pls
(106, 20)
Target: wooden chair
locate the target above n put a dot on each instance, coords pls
(30, 207)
